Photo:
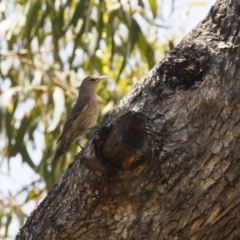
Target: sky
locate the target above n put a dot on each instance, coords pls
(182, 21)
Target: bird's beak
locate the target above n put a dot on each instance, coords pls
(102, 77)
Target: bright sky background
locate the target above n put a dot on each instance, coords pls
(184, 18)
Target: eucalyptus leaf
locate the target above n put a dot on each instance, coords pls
(154, 7)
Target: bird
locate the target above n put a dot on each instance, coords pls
(82, 117)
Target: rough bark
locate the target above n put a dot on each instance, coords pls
(165, 163)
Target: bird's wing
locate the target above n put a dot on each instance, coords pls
(77, 109)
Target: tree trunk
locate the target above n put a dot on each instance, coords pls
(165, 163)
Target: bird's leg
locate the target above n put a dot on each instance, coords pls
(90, 133)
(91, 129)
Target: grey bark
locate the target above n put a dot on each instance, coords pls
(165, 163)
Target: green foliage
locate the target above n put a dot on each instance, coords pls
(46, 48)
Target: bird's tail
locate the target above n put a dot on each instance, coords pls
(62, 148)
(57, 156)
